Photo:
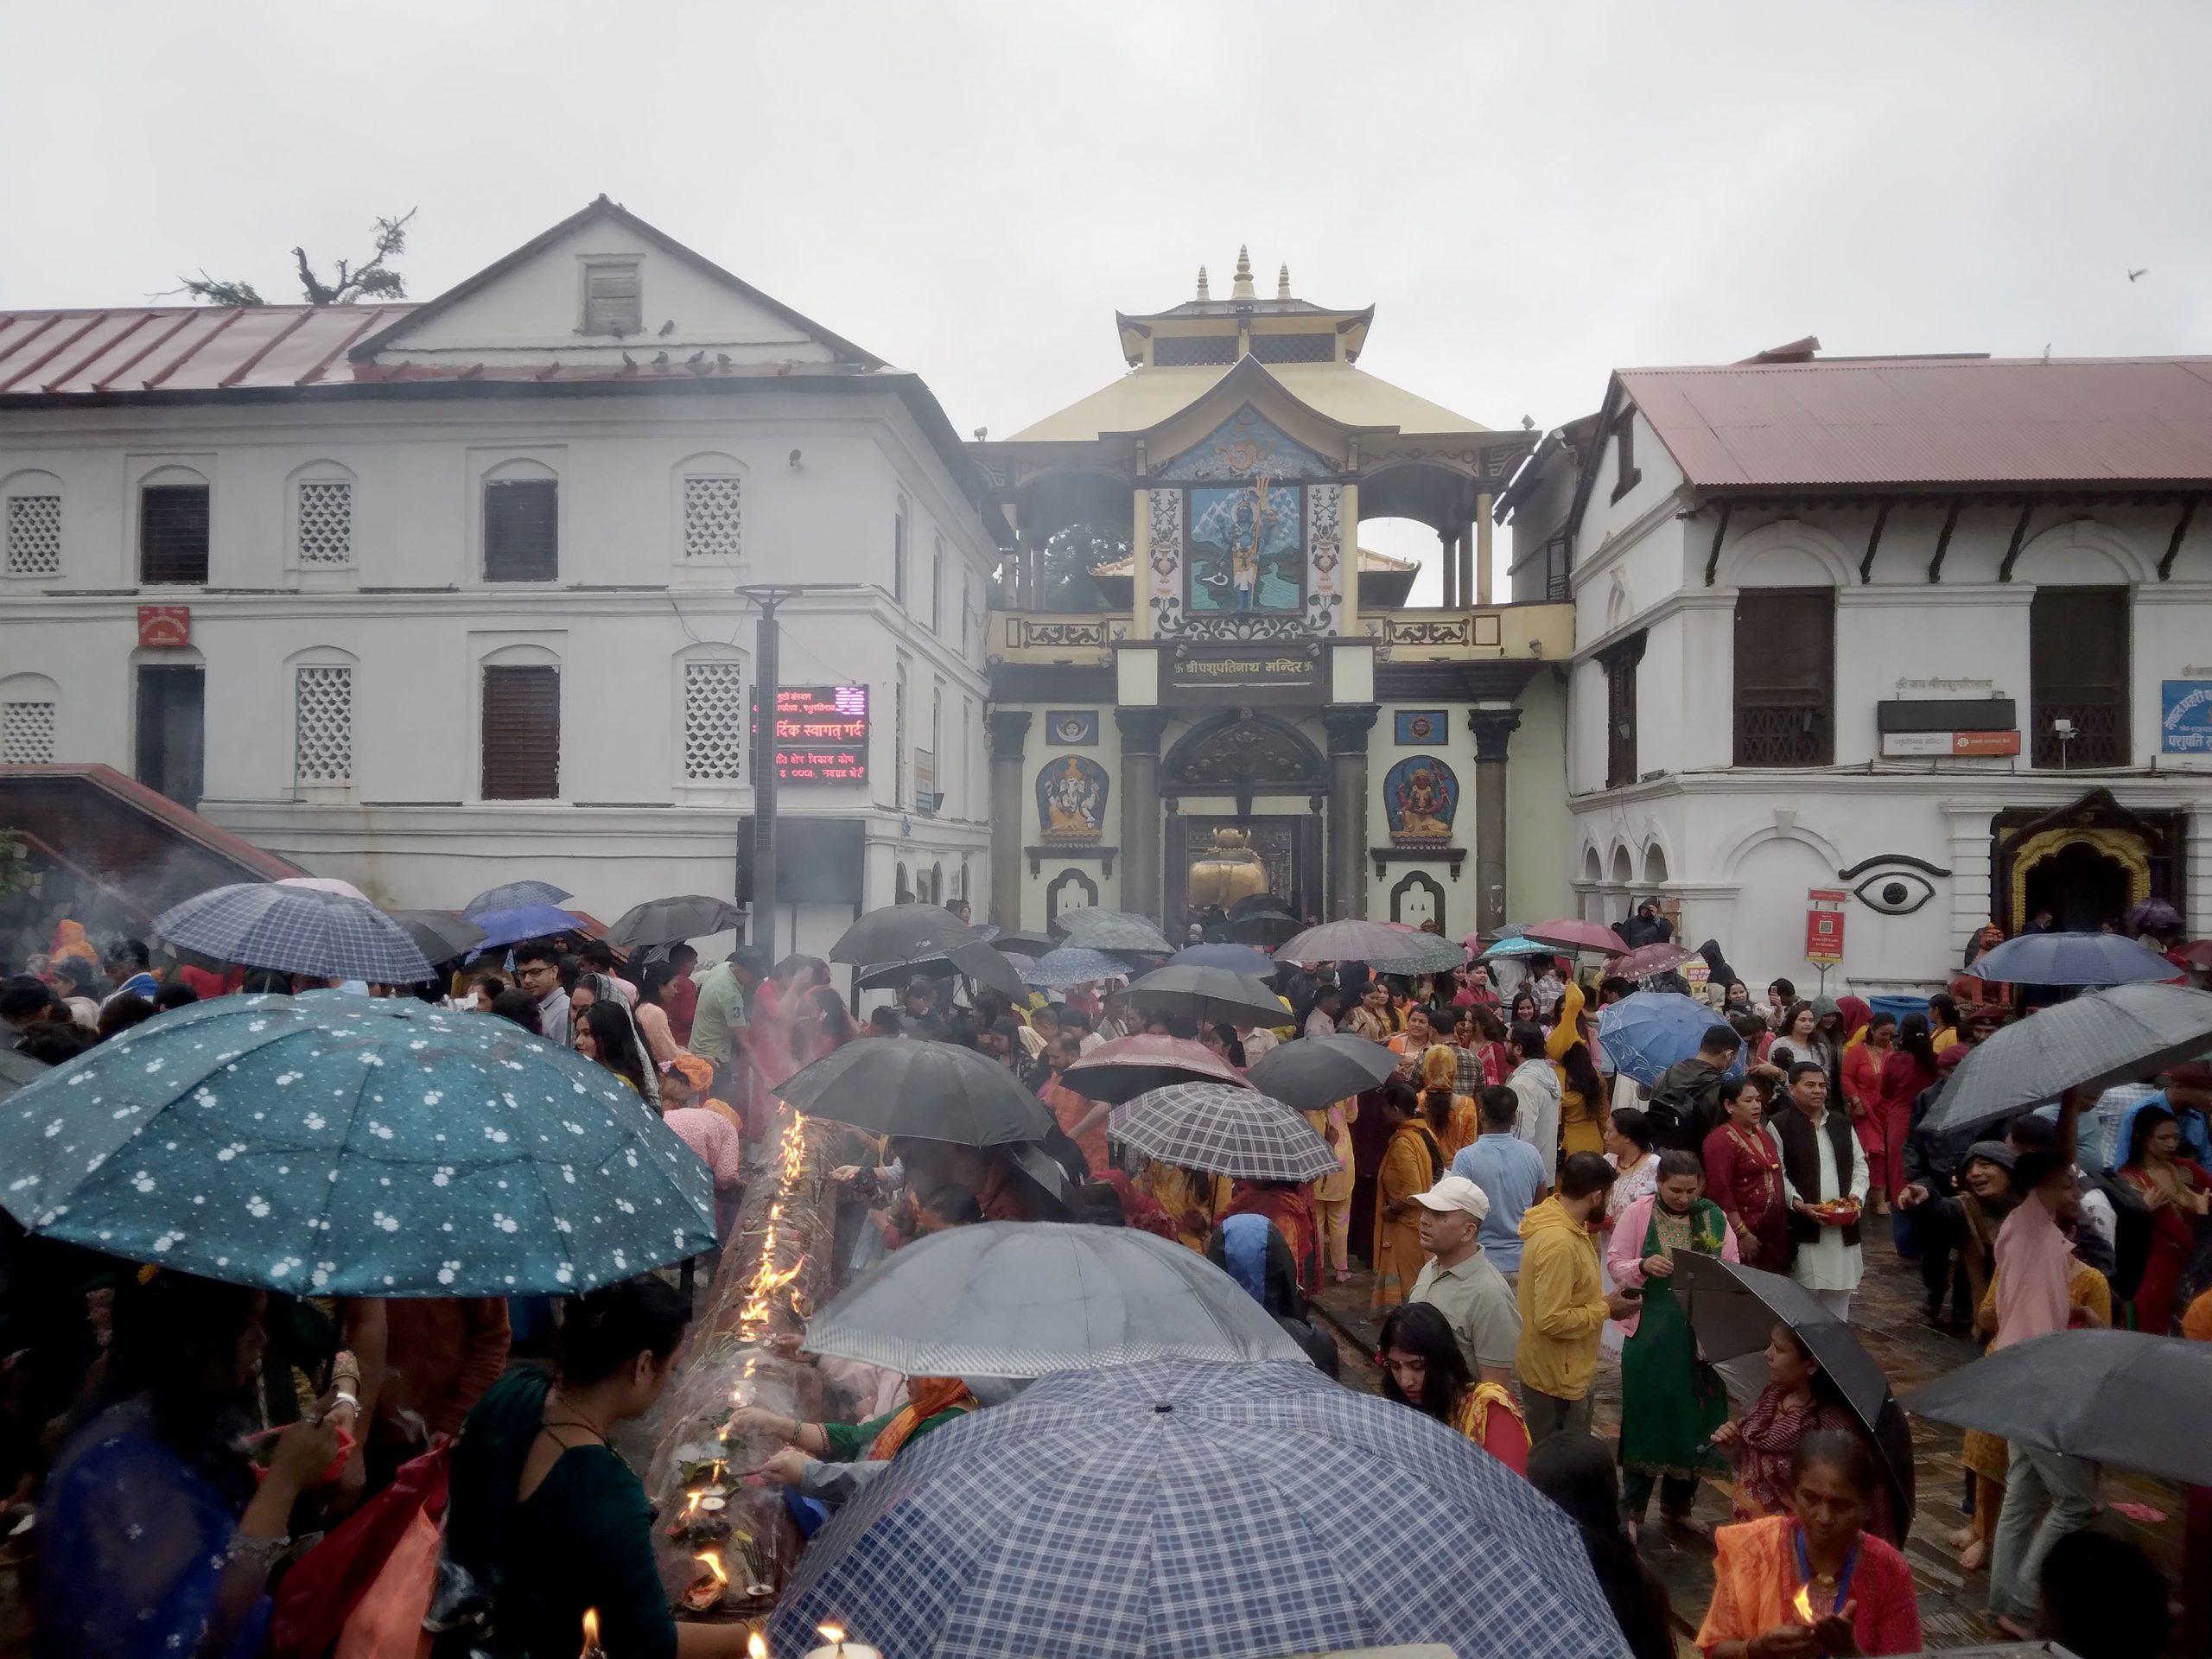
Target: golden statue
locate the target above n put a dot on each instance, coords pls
(1229, 871)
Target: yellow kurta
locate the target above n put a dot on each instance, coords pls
(1581, 1122)
(1407, 1169)
(1333, 1127)
(1184, 1195)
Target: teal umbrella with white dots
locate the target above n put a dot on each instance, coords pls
(352, 1146)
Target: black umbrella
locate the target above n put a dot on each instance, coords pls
(1315, 1072)
(2092, 1042)
(1027, 944)
(441, 935)
(896, 933)
(932, 1091)
(670, 921)
(2110, 1396)
(984, 964)
(1264, 927)
(1212, 996)
(1734, 1309)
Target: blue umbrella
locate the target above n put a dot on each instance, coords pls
(1238, 958)
(513, 894)
(1072, 965)
(298, 930)
(1182, 1509)
(1645, 1033)
(354, 1147)
(1517, 946)
(2072, 959)
(523, 922)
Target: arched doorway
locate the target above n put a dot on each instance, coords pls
(2085, 864)
(1250, 758)
(2082, 886)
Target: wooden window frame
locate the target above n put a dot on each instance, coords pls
(1627, 474)
(510, 491)
(500, 771)
(2104, 738)
(592, 269)
(1814, 746)
(172, 495)
(1619, 662)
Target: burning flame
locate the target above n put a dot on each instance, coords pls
(591, 1632)
(715, 1566)
(692, 1505)
(756, 1647)
(1804, 1604)
(834, 1634)
(752, 1318)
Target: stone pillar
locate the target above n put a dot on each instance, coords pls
(1447, 553)
(1348, 724)
(1140, 730)
(1007, 729)
(1468, 575)
(1493, 726)
(1482, 549)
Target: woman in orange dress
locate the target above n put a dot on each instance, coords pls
(1450, 1117)
(1411, 1161)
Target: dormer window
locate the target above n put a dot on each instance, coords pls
(614, 302)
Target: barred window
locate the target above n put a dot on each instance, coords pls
(522, 530)
(522, 733)
(323, 711)
(34, 535)
(327, 521)
(711, 518)
(714, 722)
(172, 521)
(26, 734)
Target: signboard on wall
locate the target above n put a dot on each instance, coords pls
(164, 625)
(822, 734)
(2185, 717)
(1895, 744)
(1236, 675)
(1824, 925)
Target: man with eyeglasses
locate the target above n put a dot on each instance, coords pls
(537, 970)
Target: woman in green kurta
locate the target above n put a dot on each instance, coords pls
(546, 1519)
(1671, 1401)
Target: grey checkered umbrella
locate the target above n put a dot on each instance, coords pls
(1220, 1129)
(2095, 1041)
(1114, 930)
(296, 929)
(1350, 940)
(1181, 1510)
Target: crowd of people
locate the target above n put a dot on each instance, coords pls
(1523, 1209)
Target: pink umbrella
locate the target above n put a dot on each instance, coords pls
(1569, 934)
(1649, 959)
(1129, 1066)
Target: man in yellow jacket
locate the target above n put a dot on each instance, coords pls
(1564, 1303)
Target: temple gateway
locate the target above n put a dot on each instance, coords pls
(1201, 688)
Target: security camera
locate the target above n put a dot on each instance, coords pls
(794, 460)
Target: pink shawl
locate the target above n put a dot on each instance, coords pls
(2033, 1266)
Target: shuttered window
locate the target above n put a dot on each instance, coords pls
(2077, 673)
(522, 530)
(613, 300)
(173, 533)
(1785, 678)
(522, 734)
(1619, 665)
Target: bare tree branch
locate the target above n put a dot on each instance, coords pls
(373, 278)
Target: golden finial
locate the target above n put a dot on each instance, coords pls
(1244, 289)
(1204, 295)
(1282, 283)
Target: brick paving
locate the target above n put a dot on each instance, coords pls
(1886, 1313)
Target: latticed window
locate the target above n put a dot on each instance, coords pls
(1294, 348)
(1184, 352)
(326, 522)
(714, 722)
(26, 734)
(33, 536)
(711, 519)
(323, 705)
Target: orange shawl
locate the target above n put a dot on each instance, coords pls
(925, 1397)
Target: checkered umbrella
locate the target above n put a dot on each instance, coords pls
(356, 1147)
(1183, 1509)
(1072, 965)
(512, 894)
(296, 929)
(1350, 940)
(2092, 1042)
(1220, 1128)
(1114, 930)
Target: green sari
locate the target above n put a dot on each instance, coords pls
(1671, 1401)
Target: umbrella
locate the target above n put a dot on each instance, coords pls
(670, 921)
(1221, 1130)
(1263, 927)
(1733, 1310)
(931, 1091)
(513, 895)
(353, 1147)
(896, 933)
(2151, 916)
(16, 1069)
(1073, 965)
(503, 927)
(984, 964)
(1313, 1073)
(2092, 1042)
(2197, 953)
(1115, 929)
(1422, 953)
(1518, 947)
(323, 884)
(441, 935)
(1025, 944)
(1644, 1033)
(2072, 959)
(298, 930)
(1647, 961)
(1238, 958)
(1021, 1298)
(1570, 934)
(1350, 940)
(2111, 1397)
(1182, 1509)
(1213, 997)
(1129, 1066)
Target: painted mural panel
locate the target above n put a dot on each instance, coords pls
(1248, 549)
(1246, 445)
(1071, 799)
(1421, 796)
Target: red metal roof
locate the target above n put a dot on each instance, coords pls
(183, 348)
(1892, 421)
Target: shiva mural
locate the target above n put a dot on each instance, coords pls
(1248, 547)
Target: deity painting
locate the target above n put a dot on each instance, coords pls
(1420, 795)
(1248, 547)
(1071, 799)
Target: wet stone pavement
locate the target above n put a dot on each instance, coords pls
(1886, 1313)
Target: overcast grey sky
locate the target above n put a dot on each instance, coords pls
(1530, 195)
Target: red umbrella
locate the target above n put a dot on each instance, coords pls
(2197, 953)
(1129, 1066)
(1569, 934)
(1649, 959)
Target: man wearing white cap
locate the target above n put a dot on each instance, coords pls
(1459, 1282)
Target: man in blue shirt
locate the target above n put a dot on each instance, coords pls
(128, 972)
(1512, 1174)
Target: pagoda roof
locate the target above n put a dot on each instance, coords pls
(1143, 398)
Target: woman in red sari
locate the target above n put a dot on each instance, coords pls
(1908, 1068)
(1743, 1175)
(2178, 1191)
(1861, 1071)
